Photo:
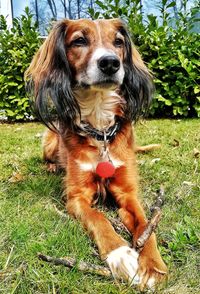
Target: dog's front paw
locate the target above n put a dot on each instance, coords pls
(145, 270)
(123, 263)
(52, 167)
(152, 270)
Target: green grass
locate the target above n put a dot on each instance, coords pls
(30, 224)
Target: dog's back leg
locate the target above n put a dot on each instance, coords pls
(50, 150)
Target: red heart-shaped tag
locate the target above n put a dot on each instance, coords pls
(105, 169)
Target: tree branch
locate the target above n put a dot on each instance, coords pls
(80, 265)
(160, 199)
(152, 225)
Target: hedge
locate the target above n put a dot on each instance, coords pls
(17, 47)
(172, 54)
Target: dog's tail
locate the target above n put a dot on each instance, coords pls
(147, 148)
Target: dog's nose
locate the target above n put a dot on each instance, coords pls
(109, 64)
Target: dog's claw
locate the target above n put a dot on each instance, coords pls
(151, 272)
(51, 167)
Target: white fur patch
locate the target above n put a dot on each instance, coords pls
(99, 52)
(123, 263)
(98, 107)
(116, 162)
(93, 71)
(84, 166)
(93, 74)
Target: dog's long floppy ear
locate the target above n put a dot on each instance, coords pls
(137, 86)
(50, 78)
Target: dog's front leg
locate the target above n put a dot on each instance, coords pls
(110, 244)
(151, 266)
(121, 259)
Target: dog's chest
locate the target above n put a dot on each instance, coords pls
(92, 159)
(98, 108)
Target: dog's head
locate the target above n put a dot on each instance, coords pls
(82, 54)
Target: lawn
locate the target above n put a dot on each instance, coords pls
(29, 222)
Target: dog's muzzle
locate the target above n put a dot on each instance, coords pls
(108, 64)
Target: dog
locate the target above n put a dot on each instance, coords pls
(90, 84)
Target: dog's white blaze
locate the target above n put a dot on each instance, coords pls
(123, 263)
(100, 52)
(93, 73)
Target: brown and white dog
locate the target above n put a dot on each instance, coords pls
(90, 84)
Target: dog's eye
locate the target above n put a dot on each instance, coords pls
(118, 42)
(79, 42)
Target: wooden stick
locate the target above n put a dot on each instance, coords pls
(80, 265)
(152, 225)
(159, 200)
(119, 226)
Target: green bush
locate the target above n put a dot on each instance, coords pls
(17, 47)
(172, 54)
(170, 49)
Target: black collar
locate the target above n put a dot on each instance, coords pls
(110, 133)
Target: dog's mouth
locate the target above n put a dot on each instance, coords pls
(108, 83)
(88, 79)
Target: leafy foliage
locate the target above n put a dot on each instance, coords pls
(184, 237)
(17, 47)
(169, 47)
